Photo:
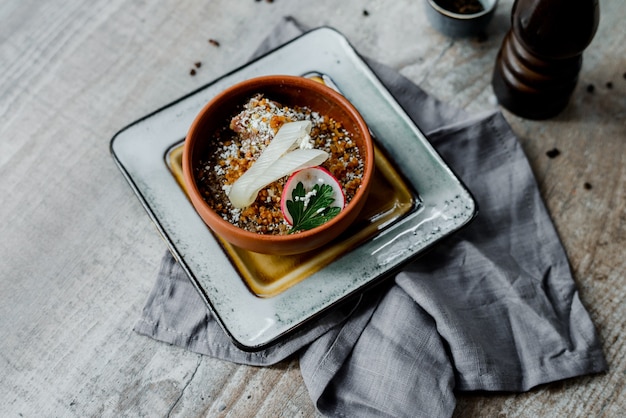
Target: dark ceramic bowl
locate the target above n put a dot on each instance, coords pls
(290, 91)
(447, 18)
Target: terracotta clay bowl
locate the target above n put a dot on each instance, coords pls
(289, 91)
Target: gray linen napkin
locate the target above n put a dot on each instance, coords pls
(492, 308)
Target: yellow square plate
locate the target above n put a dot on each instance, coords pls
(267, 275)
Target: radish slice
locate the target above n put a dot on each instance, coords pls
(309, 177)
(279, 159)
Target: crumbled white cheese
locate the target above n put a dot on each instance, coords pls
(306, 142)
(306, 198)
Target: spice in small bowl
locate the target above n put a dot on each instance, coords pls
(460, 18)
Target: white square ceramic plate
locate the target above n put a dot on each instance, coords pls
(253, 322)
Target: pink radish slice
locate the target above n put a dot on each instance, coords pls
(309, 178)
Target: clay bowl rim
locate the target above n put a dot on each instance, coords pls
(225, 229)
(464, 16)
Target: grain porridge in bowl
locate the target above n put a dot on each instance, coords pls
(239, 145)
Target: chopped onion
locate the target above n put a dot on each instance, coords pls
(279, 159)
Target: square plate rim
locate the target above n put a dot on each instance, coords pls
(181, 258)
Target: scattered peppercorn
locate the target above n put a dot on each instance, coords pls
(609, 85)
(198, 64)
(366, 13)
(192, 72)
(482, 37)
(269, 1)
(624, 75)
(553, 153)
(590, 88)
(588, 186)
(214, 42)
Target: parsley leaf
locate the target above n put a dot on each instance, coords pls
(309, 210)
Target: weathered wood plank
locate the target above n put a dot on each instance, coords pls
(78, 255)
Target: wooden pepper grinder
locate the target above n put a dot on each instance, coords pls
(537, 66)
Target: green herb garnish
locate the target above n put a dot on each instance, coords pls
(309, 210)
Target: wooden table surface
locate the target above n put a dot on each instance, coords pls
(78, 254)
